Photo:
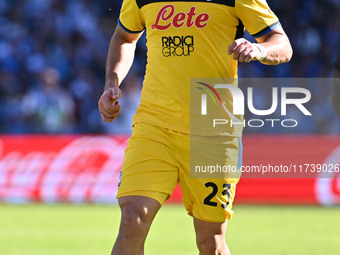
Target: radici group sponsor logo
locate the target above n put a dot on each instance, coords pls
(237, 97)
(179, 45)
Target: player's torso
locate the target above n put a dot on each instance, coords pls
(185, 40)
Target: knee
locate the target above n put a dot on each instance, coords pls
(134, 221)
(211, 246)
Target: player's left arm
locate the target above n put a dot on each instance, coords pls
(272, 48)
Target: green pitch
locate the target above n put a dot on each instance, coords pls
(72, 230)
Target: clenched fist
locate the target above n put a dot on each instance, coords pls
(245, 51)
(108, 105)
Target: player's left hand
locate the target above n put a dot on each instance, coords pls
(244, 51)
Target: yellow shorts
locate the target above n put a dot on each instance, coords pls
(156, 159)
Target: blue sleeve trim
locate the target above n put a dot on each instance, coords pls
(267, 29)
(128, 30)
(240, 152)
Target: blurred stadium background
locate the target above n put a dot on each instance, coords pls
(55, 149)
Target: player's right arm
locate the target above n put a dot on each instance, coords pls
(119, 60)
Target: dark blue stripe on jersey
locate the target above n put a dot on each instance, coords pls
(230, 3)
(128, 30)
(239, 30)
(266, 30)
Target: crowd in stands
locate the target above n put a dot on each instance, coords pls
(53, 54)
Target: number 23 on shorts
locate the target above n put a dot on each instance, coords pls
(225, 191)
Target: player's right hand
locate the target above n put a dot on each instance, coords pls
(108, 105)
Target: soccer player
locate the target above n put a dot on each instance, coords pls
(336, 86)
(185, 40)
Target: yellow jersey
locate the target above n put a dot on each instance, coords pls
(188, 40)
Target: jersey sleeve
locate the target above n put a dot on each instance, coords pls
(131, 18)
(256, 16)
